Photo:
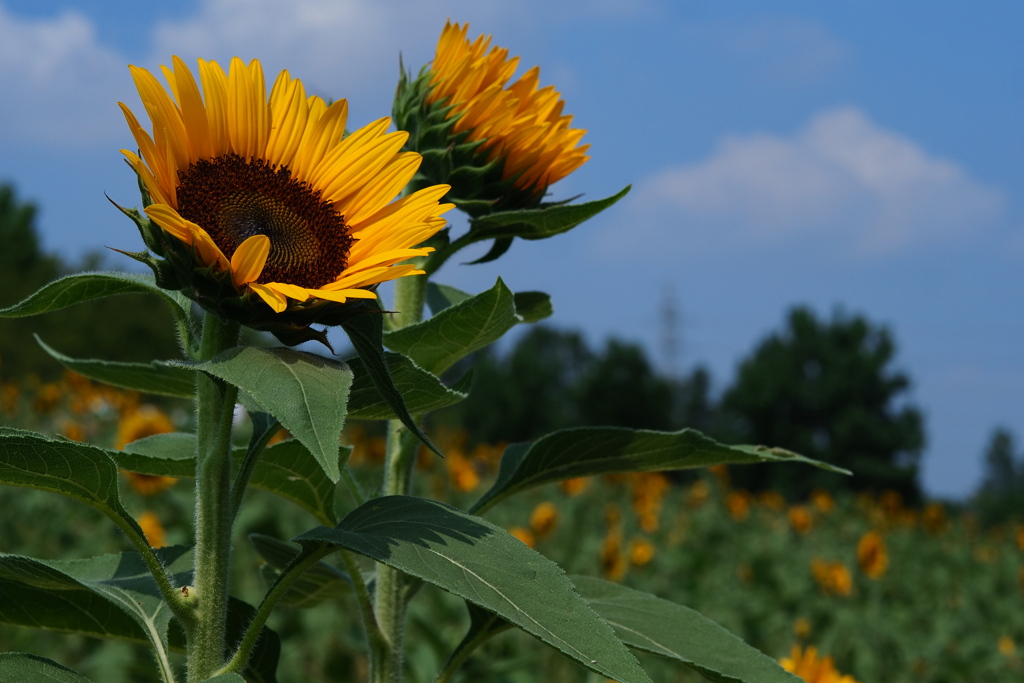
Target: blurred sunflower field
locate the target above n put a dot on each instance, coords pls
(854, 588)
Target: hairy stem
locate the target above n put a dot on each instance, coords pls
(284, 582)
(216, 406)
(389, 608)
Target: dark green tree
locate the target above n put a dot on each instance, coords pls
(1001, 494)
(826, 389)
(551, 379)
(128, 328)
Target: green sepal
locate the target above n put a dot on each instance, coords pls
(586, 451)
(484, 564)
(451, 158)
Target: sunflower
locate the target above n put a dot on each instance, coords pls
(807, 665)
(519, 126)
(270, 192)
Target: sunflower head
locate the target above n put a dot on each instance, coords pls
(261, 208)
(499, 144)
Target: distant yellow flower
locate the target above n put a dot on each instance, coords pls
(738, 504)
(934, 519)
(772, 500)
(574, 486)
(1007, 647)
(872, 557)
(802, 627)
(985, 553)
(149, 484)
(613, 563)
(520, 124)
(543, 519)
(649, 489)
(47, 399)
(524, 535)
(800, 519)
(641, 552)
(462, 472)
(153, 529)
(138, 424)
(721, 473)
(74, 431)
(891, 502)
(807, 665)
(833, 577)
(823, 500)
(698, 493)
(270, 193)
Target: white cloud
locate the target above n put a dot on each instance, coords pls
(789, 51)
(841, 181)
(59, 84)
(337, 47)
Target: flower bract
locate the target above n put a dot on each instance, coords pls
(499, 142)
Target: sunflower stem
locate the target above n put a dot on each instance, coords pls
(390, 599)
(215, 410)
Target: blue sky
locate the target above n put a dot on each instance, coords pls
(862, 155)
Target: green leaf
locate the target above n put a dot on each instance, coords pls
(586, 451)
(533, 306)
(536, 224)
(457, 331)
(17, 667)
(648, 623)
(366, 333)
(487, 566)
(307, 393)
(114, 596)
(422, 391)
(108, 595)
(79, 471)
(316, 585)
(440, 297)
(286, 469)
(225, 678)
(151, 378)
(79, 287)
(162, 455)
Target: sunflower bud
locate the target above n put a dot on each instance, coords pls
(498, 145)
(261, 209)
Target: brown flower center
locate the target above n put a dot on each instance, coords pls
(234, 199)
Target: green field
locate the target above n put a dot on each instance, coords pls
(937, 600)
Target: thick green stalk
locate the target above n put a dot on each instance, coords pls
(390, 602)
(216, 406)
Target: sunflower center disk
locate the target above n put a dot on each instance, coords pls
(234, 199)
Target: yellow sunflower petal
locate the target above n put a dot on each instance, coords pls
(276, 301)
(248, 260)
